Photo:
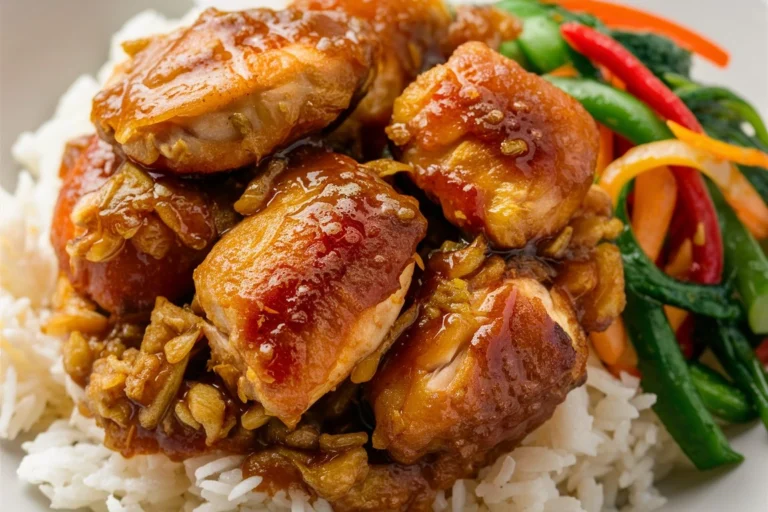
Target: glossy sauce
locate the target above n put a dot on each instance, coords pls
(131, 280)
(503, 151)
(180, 441)
(486, 362)
(280, 74)
(290, 282)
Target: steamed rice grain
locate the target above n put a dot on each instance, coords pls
(602, 449)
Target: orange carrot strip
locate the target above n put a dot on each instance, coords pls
(679, 265)
(655, 198)
(611, 343)
(627, 363)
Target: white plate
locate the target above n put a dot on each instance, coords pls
(46, 44)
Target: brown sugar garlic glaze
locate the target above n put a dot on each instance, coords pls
(229, 283)
(234, 87)
(504, 152)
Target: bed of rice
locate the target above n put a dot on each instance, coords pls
(602, 450)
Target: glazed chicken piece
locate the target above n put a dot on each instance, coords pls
(309, 284)
(410, 32)
(491, 355)
(124, 237)
(504, 152)
(234, 87)
(484, 23)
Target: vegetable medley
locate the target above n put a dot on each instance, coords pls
(685, 165)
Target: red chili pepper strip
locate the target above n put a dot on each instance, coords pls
(762, 352)
(707, 267)
(606, 51)
(638, 79)
(685, 338)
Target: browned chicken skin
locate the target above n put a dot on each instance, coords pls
(410, 33)
(491, 355)
(310, 284)
(124, 238)
(234, 87)
(504, 152)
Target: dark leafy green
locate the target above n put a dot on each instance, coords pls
(644, 278)
(660, 54)
(735, 353)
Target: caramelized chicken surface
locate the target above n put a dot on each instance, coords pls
(491, 355)
(124, 237)
(234, 87)
(410, 33)
(310, 284)
(504, 152)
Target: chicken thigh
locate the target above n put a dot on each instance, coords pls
(410, 33)
(124, 237)
(504, 152)
(491, 355)
(233, 87)
(310, 284)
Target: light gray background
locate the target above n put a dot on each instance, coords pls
(46, 44)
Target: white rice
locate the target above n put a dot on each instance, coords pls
(602, 450)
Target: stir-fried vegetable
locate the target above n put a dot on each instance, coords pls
(731, 152)
(737, 189)
(611, 343)
(665, 373)
(762, 352)
(735, 353)
(641, 82)
(649, 115)
(542, 45)
(745, 199)
(720, 110)
(622, 16)
(720, 397)
(658, 53)
(644, 278)
(618, 110)
(745, 259)
(655, 199)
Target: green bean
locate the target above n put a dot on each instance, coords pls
(737, 356)
(618, 110)
(665, 373)
(720, 397)
(542, 44)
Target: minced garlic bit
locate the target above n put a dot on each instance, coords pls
(514, 147)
